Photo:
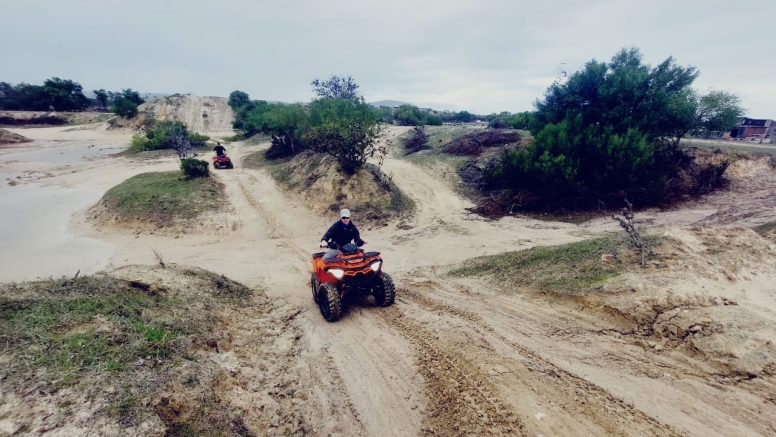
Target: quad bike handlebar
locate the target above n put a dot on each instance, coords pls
(336, 246)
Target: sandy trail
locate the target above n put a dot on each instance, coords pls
(450, 358)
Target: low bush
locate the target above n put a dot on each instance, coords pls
(198, 140)
(417, 141)
(195, 168)
(163, 135)
(474, 143)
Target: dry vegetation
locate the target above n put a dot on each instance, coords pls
(473, 144)
(127, 351)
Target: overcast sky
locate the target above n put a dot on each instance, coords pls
(482, 56)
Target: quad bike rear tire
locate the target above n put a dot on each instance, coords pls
(384, 290)
(329, 302)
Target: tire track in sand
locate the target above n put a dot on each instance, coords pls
(600, 407)
(461, 401)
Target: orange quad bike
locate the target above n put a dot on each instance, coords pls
(352, 274)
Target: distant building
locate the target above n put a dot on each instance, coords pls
(752, 129)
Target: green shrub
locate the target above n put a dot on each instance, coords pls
(198, 140)
(195, 168)
(161, 135)
(569, 162)
(138, 144)
(124, 108)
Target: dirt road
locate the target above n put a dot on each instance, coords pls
(451, 357)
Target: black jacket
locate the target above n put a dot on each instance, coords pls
(220, 150)
(342, 234)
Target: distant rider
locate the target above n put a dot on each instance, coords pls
(340, 233)
(220, 150)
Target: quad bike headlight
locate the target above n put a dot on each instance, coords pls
(337, 273)
(375, 266)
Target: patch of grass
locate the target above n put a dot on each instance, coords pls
(257, 140)
(99, 334)
(87, 325)
(568, 269)
(255, 161)
(163, 197)
(765, 228)
(279, 169)
(125, 406)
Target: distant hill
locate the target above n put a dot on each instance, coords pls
(389, 103)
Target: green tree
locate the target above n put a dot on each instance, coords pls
(64, 94)
(9, 97)
(238, 99)
(101, 96)
(611, 129)
(285, 124)
(465, 117)
(433, 120)
(409, 115)
(126, 102)
(347, 129)
(335, 88)
(124, 108)
(624, 93)
(132, 96)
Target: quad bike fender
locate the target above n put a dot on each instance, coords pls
(322, 276)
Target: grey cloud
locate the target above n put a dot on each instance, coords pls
(480, 56)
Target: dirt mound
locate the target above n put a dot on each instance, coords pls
(150, 351)
(316, 178)
(7, 137)
(165, 203)
(201, 114)
(704, 295)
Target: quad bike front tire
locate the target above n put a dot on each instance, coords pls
(230, 165)
(329, 302)
(384, 290)
(314, 286)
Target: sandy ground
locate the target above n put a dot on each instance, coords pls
(451, 357)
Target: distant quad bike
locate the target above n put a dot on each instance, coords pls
(222, 161)
(354, 273)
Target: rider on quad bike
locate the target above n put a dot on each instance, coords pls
(221, 160)
(345, 270)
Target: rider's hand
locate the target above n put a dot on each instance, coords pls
(363, 243)
(324, 243)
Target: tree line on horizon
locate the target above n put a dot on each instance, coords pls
(65, 95)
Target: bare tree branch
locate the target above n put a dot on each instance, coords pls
(625, 219)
